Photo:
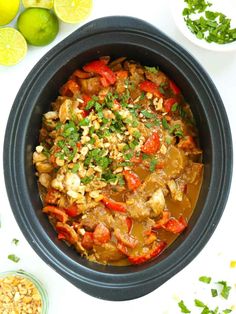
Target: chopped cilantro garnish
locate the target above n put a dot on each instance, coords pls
(75, 168)
(165, 123)
(15, 241)
(96, 156)
(225, 289)
(176, 130)
(174, 107)
(205, 279)
(13, 258)
(128, 156)
(133, 144)
(69, 128)
(214, 293)
(161, 89)
(226, 311)
(134, 123)
(92, 141)
(199, 303)
(136, 134)
(90, 104)
(103, 162)
(121, 180)
(84, 122)
(183, 307)
(58, 126)
(153, 164)
(125, 164)
(152, 69)
(145, 156)
(108, 176)
(168, 140)
(87, 179)
(142, 96)
(98, 107)
(148, 114)
(149, 125)
(125, 148)
(156, 122)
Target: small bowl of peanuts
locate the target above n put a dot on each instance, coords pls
(21, 292)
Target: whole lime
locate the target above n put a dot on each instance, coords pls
(38, 26)
(8, 10)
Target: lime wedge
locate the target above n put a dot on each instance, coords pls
(13, 46)
(8, 11)
(47, 4)
(73, 11)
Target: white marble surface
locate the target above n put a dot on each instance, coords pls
(213, 260)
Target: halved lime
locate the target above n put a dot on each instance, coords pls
(38, 26)
(73, 11)
(13, 46)
(47, 4)
(8, 10)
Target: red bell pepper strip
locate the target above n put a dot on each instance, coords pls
(127, 239)
(72, 210)
(129, 223)
(87, 240)
(70, 88)
(69, 233)
(122, 248)
(132, 180)
(152, 144)
(61, 236)
(99, 67)
(113, 205)
(165, 217)
(168, 103)
(175, 225)
(150, 87)
(174, 88)
(56, 212)
(101, 234)
(156, 250)
(52, 196)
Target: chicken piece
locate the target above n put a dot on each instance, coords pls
(137, 208)
(39, 157)
(175, 162)
(98, 214)
(158, 78)
(91, 86)
(193, 172)
(65, 111)
(107, 252)
(152, 182)
(45, 179)
(175, 191)
(157, 203)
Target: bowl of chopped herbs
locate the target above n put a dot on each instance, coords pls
(210, 24)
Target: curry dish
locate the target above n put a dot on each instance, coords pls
(118, 162)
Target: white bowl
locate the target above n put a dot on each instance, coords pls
(227, 7)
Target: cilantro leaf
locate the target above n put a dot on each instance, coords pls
(13, 258)
(183, 307)
(205, 279)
